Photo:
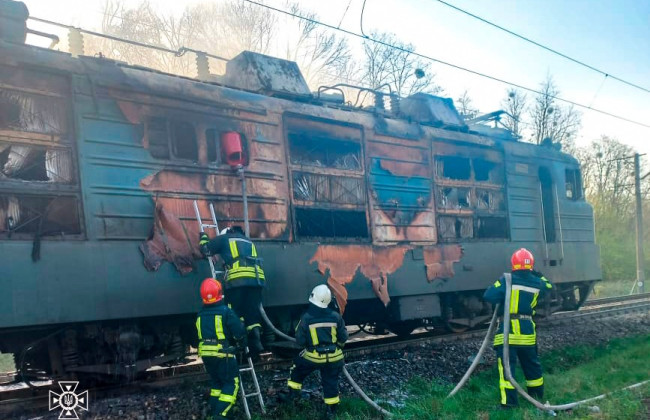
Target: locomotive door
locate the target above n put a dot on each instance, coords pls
(553, 249)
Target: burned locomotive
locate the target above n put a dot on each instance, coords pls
(407, 211)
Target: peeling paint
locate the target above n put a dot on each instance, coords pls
(439, 261)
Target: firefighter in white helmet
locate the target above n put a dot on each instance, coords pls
(321, 333)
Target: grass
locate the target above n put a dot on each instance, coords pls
(571, 374)
(610, 288)
(6, 363)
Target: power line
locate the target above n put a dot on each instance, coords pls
(344, 13)
(549, 49)
(455, 66)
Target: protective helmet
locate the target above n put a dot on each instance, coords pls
(224, 231)
(522, 259)
(321, 296)
(211, 291)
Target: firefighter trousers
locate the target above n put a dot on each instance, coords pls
(224, 383)
(245, 301)
(532, 368)
(329, 374)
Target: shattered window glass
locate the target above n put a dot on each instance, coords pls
(35, 163)
(451, 228)
(454, 197)
(328, 188)
(184, 142)
(324, 152)
(33, 113)
(39, 215)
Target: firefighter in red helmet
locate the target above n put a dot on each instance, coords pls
(221, 335)
(527, 287)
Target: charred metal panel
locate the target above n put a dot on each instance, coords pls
(400, 180)
(430, 109)
(340, 264)
(261, 73)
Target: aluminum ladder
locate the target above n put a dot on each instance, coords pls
(257, 393)
(242, 369)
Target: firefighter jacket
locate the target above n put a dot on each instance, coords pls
(321, 332)
(220, 331)
(527, 287)
(240, 259)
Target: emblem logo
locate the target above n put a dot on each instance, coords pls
(68, 400)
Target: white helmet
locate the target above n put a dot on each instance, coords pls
(224, 231)
(321, 296)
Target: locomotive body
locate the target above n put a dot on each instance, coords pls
(408, 213)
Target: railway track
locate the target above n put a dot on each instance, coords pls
(21, 399)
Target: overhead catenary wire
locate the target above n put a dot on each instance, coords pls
(549, 49)
(446, 63)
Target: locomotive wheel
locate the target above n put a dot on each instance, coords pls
(455, 328)
(402, 329)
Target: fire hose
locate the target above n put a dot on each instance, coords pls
(356, 387)
(506, 361)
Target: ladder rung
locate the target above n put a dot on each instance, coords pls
(254, 394)
(245, 369)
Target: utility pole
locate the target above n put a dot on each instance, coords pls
(640, 274)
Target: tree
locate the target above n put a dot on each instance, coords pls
(515, 105)
(396, 65)
(464, 106)
(550, 120)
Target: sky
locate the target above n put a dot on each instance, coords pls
(610, 35)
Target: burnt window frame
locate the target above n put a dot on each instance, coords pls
(476, 189)
(575, 182)
(293, 127)
(44, 141)
(171, 152)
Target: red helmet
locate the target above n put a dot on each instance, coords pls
(211, 291)
(522, 259)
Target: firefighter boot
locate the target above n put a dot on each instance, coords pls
(330, 411)
(536, 392)
(255, 343)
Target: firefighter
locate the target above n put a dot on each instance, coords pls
(527, 287)
(321, 333)
(244, 278)
(221, 336)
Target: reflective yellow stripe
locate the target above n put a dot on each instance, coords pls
(234, 252)
(314, 335)
(534, 302)
(250, 327)
(514, 302)
(316, 357)
(230, 398)
(516, 327)
(294, 385)
(253, 250)
(245, 272)
(333, 400)
(520, 340)
(535, 382)
(215, 392)
(503, 384)
(334, 335)
(198, 327)
(218, 326)
(497, 283)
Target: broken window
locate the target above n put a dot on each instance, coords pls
(453, 198)
(35, 163)
(489, 200)
(212, 139)
(162, 134)
(39, 215)
(492, 227)
(328, 188)
(329, 223)
(32, 112)
(487, 171)
(324, 152)
(452, 228)
(453, 167)
(573, 184)
(184, 144)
